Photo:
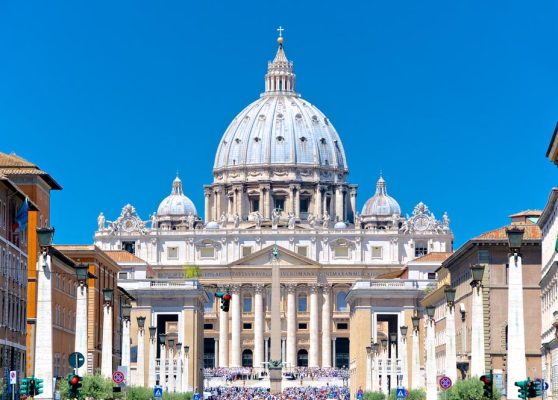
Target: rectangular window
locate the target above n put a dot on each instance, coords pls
(254, 204)
(377, 252)
(122, 275)
(207, 326)
(484, 257)
(432, 275)
(279, 203)
(247, 326)
(207, 252)
(247, 304)
(303, 326)
(130, 247)
(172, 253)
(421, 249)
(302, 304)
(304, 204)
(341, 252)
(342, 326)
(246, 251)
(302, 250)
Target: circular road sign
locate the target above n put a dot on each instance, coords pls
(445, 382)
(76, 360)
(118, 377)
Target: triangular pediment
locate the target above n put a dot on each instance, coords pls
(265, 257)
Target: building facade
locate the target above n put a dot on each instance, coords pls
(280, 194)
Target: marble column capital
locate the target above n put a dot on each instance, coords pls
(314, 287)
(259, 288)
(235, 289)
(326, 288)
(291, 287)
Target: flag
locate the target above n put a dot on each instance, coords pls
(21, 217)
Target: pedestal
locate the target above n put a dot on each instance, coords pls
(275, 378)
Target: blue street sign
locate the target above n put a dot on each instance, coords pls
(158, 392)
(401, 393)
(545, 386)
(197, 396)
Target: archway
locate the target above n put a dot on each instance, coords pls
(302, 358)
(247, 360)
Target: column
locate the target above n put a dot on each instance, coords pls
(291, 325)
(151, 377)
(81, 325)
(179, 366)
(283, 349)
(384, 383)
(297, 202)
(223, 339)
(261, 201)
(43, 344)
(403, 357)
(477, 333)
(185, 377)
(106, 357)
(334, 355)
(326, 327)
(215, 210)
(258, 327)
(375, 371)
(141, 359)
(291, 198)
(125, 362)
(393, 378)
(416, 383)
(314, 322)
(266, 350)
(216, 353)
(516, 359)
(235, 328)
(451, 351)
(318, 202)
(353, 194)
(207, 213)
(368, 386)
(171, 379)
(339, 203)
(430, 360)
(163, 366)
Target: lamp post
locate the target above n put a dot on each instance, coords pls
(375, 373)
(384, 383)
(403, 356)
(393, 356)
(106, 360)
(163, 361)
(151, 377)
(477, 322)
(430, 354)
(451, 351)
(416, 383)
(185, 378)
(82, 273)
(140, 369)
(179, 365)
(171, 378)
(43, 334)
(516, 359)
(126, 310)
(368, 368)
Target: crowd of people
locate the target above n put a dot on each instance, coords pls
(293, 393)
(302, 373)
(230, 374)
(316, 373)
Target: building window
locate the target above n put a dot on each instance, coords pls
(279, 203)
(432, 275)
(302, 358)
(342, 326)
(209, 305)
(303, 326)
(484, 257)
(247, 326)
(207, 252)
(304, 204)
(208, 326)
(247, 304)
(246, 251)
(302, 250)
(130, 247)
(247, 358)
(377, 252)
(122, 275)
(254, 204)
(342, 301)
(172, 253)
(341, 252)
(421, 249)
(302, 303)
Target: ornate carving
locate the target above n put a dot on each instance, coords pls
(128, 221)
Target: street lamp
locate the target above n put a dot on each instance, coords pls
(384, 343)
(430, 311)
(152, 332)
(393, 337)
(450, 296)
(162, 338)
(186, 349)
(126, 311)
(107, 295)
(375, 347)
(141, 322)
(416, 322)
(368, 350)
(82, 271)
(44, 236)
(152, 355)
(515, 237)
(171, 343)
(477, 271)
(403, 329)
(477, 322)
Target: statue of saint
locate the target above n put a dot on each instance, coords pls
(325, 221)
(236, 219)
(224, 220)
(101, 222)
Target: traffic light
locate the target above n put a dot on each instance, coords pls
(31, 387)
(225, 300)
(74, 381)
(38, 386)
(535, 389)
(487, 380)
(523, 388)
(24, 388)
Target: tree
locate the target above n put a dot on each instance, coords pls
(374, 396)
(470, 389)
(94, 386)
(192, 272)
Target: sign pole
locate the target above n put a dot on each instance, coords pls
(13, 391)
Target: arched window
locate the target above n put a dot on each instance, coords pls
(302, 358)
(247, 358)
(342, 301)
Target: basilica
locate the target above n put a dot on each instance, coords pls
(280, 183)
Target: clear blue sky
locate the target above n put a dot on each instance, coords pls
(454, 101)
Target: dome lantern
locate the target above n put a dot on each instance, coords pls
(280, 77)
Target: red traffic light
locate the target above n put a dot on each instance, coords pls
(486, 379)
(227, 297)
(74, 380)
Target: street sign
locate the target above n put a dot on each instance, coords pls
(118, 377)
(197, 396)
(158, 392)
(445, 382)
(13, 377)
(360, 394)
(545, 386)
(401, 393)
(76, 360)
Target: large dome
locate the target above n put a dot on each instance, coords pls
(176, 204)
(280, 129)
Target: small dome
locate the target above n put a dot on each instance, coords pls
(212, 225)
(176, 204)
(340, 225)
(381, 204)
